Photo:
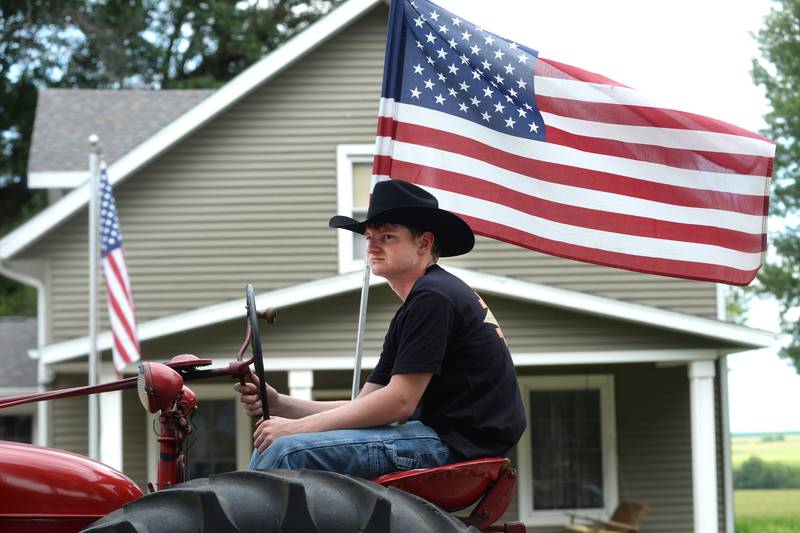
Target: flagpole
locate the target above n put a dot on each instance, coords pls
(362, 316)
(94, 186)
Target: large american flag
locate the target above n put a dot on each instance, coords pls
(120, 299)
(564, 161)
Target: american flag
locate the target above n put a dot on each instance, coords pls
(560, 160)
(120, 299)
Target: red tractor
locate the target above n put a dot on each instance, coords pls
(52, 491)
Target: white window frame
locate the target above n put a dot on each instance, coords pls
(207, 391)
(605, 384)
(346, 155)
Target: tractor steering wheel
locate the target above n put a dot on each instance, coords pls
(255, 341)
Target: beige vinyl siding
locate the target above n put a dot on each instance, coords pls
(69, 425)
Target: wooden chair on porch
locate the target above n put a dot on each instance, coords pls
(627, 518)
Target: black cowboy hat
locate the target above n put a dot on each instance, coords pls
(401, 202)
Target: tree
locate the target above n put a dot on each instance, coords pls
(143, 44)
(779, 74)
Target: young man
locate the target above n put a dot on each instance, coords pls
(445, 364)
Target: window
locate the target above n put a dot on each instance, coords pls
(354, 178)
(16, 428)
(567, 457)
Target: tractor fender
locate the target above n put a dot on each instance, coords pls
(55, 490)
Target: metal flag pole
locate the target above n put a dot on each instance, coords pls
(94, 186)
(362, 317)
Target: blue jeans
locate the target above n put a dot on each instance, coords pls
(364, 453)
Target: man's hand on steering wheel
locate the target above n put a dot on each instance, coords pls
(251, 401)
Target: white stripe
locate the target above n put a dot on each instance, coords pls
(592, 238)
(122, 337)
(708, 141)
(575, 196)
(609, 94)
(562, 155)
(117, 292)
(119, 259)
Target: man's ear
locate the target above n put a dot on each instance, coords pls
(425, 243)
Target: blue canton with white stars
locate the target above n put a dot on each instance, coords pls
(454, 66)
(110, 234)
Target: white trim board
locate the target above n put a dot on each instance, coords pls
(486, 283)
(66, 179)
(194, 118)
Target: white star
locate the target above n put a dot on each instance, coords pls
(464, 60)
(512, 45)
(476, 74)
(528, 106)
(521, 84)
(418, 21)
(456, 22)
(462, 107)
(499, 78)
(510, 122)
(498, 54)
(429, 60)
(523, 58)
(415, 93)
(441, 53)
(440, 99)
(499, 107)
(475, 101)
(486, 64)
(452, 42)
(509, 99)
(430, 37)
(443, 29)
(464, 87)
(452, 92)
(487, 92)
(419, 45)
(512, 92)
(418, 69)
(488, 39)
(429, 84)
(475, 49)
(522, 113)
(509, 69)
(466, 35)
(534, 127)
(453, 68)
(441, 76)
(485, 116)
(435, 15)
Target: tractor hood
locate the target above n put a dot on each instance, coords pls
(56, 490)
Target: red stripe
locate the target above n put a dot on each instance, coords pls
(577, 216)
(574, 176)
(121, 351)
(647, 265)
(112, 262)
(112, 301)
(554, 69)
(633, 115)
(673, 157)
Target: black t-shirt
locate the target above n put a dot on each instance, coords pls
(473, 400)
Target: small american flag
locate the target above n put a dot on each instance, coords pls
(564, 161)
(120, 299)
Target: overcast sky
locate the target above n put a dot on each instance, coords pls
(694, 55)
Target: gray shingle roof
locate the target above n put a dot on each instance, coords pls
(122, 119)
(17, 336)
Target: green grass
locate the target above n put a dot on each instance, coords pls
(786, 451)
(760, 524)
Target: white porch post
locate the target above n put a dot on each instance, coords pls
(110, 424)
(704, 450)
(301, 383)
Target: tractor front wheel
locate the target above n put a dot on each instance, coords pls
(305, 501)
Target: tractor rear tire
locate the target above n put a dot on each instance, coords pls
(285, 501)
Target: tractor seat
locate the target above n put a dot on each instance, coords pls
(451, 487)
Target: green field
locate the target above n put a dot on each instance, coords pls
(785, 451)
(768, 502)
